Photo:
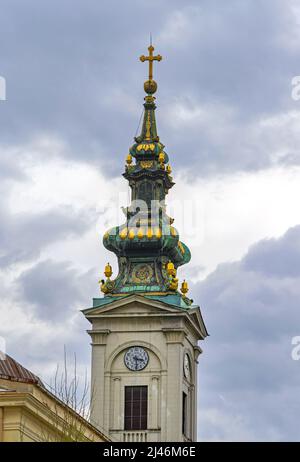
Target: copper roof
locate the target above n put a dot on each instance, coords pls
(10, 369)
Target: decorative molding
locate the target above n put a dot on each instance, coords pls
(99, 337)
(197, 352)
(174, 335)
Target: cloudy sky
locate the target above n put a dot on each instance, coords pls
(232, 131)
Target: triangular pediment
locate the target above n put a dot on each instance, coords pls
(137, 305)
(196, 317)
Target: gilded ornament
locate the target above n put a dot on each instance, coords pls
(131, 234)
(171, 269)
(173, 283)
(108, 270)
(149, 233)
(140, 233)
(148, 131)
(152, 88)
(142, 274)
(161, 157)
(103, 287)
(173, 231)
(146, 163)
(158, 233)
(181, 247)
(123, 233)
(184, 287)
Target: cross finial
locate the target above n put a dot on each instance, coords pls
(151, 58)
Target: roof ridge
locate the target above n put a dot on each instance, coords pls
(10, 369)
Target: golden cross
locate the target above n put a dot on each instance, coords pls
(150, 58)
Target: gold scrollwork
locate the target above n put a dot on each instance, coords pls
(146, 163)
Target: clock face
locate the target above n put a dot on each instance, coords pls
(187, 367)
(136, 358)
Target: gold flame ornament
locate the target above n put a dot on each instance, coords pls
(184, 287)
(108, 271)
(129, 159)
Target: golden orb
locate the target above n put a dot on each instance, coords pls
(129, 159)
(150, 87)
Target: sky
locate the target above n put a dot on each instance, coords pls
(226, 113)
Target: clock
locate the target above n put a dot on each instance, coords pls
(187, 367)
(136, 358)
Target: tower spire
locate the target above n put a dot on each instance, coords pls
(149, 131)
(147, 245)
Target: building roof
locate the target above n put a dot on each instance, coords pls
(10, 369)
(174, 299)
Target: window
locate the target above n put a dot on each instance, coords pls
(184, 411)
(136, 408)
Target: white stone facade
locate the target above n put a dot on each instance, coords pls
(167, 333)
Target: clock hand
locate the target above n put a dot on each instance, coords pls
(135, 358)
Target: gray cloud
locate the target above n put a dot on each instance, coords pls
(55, 290)
(277, 257)
(24, 235)
(76, 75)
(247, 374)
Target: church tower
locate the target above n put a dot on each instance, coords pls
(145, 331)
